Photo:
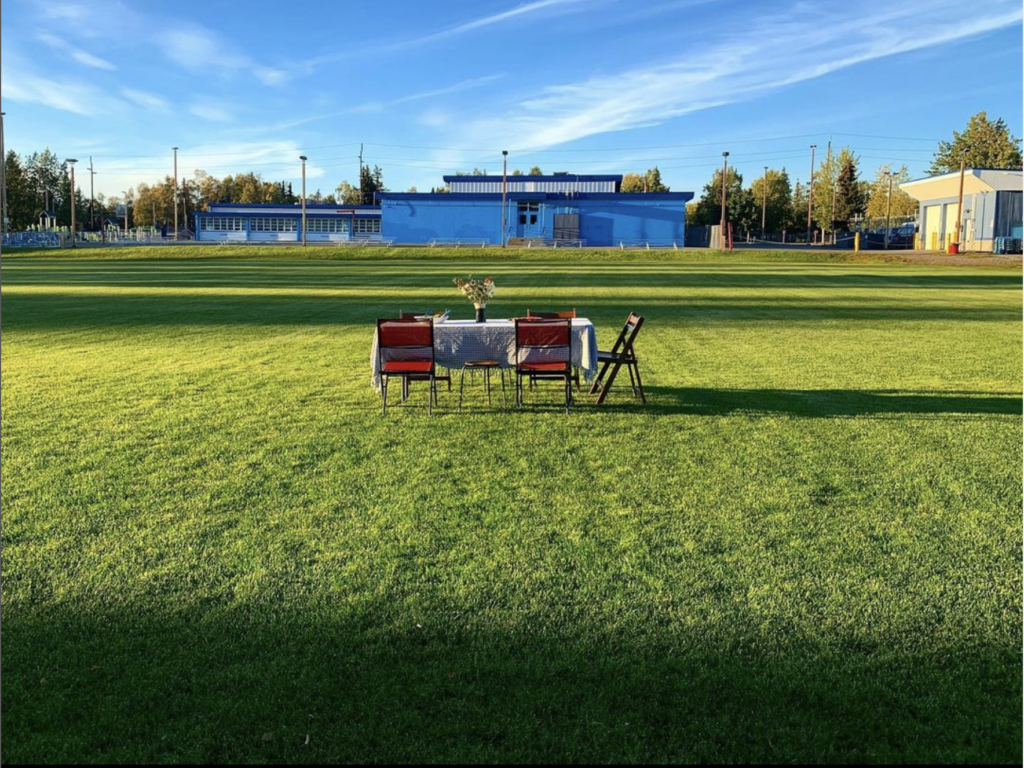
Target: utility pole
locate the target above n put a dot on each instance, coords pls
(360, 175)
(888, 208)
(504, 192)
(71, 161)
(3, 178)
(960, 202)
(832, 181)
(125, 213)
(175, 193)
(303, 158)
(764, 199)
(92, 195)
(810, 195)
(725, 171)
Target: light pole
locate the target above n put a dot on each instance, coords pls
(725, 171)
(125, 213)
(175, 192)
(71, 161)
(888, 209)
(810, 195)
(92, 195)
(764, 199)
(303, 158)
(504, 192)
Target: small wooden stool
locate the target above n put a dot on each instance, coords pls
(486, 366)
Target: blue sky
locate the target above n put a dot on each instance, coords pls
(587, 86)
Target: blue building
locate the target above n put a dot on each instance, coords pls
(259, 222)
(566, 207)
(585, 209)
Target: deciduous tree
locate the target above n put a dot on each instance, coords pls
(902, 203)
(774, 191)
(983, 144)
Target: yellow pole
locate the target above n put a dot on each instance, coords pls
(856, 242)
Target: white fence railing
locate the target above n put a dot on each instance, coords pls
(649, 245)
(442, 241)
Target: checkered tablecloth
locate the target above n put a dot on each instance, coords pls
(460, 341)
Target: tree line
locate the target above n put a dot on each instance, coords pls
(40, 183)
(841, 197)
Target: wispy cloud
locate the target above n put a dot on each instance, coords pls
(211, 110)
(78, 54)
(19, 81)
(145, 100)
(465, 85)
(198, 49)
(519, 12)
(771, 53)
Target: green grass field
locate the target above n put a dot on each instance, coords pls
(806, 548)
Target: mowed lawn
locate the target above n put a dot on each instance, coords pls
(805, 548)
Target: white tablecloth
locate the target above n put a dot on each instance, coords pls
(460, 341)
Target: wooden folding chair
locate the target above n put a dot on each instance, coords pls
(622, 354)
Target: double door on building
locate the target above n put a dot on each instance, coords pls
(528, 219)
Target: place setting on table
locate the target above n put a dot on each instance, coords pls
(540, 346)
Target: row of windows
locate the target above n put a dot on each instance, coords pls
(327, 225)
(222, 224)
(274, 225)
(368, 226)
(237, 224)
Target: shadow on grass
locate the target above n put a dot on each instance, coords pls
(249, 683)
(60, 310)
(371, 275)
(813, 403)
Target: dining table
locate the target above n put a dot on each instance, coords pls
(457, 342)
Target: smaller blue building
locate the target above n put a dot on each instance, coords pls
(243, 222)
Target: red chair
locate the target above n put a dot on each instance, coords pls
(544, 351)
(561, 315)
(568, 313)
(410, 317)
(406, 349)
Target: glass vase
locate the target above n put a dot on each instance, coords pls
(481, 314)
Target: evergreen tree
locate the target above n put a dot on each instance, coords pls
(830, 205)
(983, 144)
(652, 181)
(850, 202)
(798, 210)
(536, 171)
(370, 183)
(21, 207)
(738, 201)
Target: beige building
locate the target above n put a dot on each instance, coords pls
(992, 208)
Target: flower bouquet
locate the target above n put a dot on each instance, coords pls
(477, 291)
